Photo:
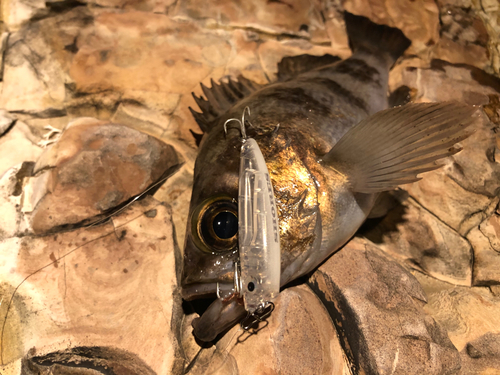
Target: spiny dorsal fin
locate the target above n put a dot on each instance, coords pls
(291, 66)
(392, 147)
(219, 98)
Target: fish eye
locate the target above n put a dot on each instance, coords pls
(215, 225)
(225, 225)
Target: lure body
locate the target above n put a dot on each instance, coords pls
(258, 232)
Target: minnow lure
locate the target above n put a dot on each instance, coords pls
(258, 281)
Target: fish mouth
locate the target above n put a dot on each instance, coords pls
(203, 290)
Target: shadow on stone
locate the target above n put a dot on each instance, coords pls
(85, 360)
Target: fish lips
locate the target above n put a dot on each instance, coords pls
(202, 271)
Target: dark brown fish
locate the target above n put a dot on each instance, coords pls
(330, 144)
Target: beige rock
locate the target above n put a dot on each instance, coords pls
(371, 297)
(15, 13)
(145, 52)
(177, 192)
(94, 167)
(482, 356)
(12, 221)
(413, 235)
(299, 18)
(464, 37)
(6, 120)
(154, 6)
(4, 37)
(299, 321)
(18, 138)
(484, 240)
(108, 286)
(465, 313)
(31, 83)
(332, 13)
(489, 11)
(177, 189)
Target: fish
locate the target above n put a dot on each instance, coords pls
(332, 145)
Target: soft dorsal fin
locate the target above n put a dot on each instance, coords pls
(393, 146)
(219, 98)
(291, 66)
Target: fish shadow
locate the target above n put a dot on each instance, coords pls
(378, 230)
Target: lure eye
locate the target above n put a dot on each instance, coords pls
(215, 225)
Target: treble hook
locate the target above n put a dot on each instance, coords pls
(241, 122)
(259, 315)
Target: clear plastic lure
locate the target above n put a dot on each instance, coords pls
(258, 232)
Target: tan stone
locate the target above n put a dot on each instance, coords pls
(484, 240)
(300, 18)
(154, 6)
(36, 61)
(145, 52)
(299, 339)
(6, 120)
(12, 220)
(93, 168)
(482, 356)
(108, 286)
(15, 13)
(372, 298)
(18, 138)
(413, 235)
(465, 313)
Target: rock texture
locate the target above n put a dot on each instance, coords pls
(107, 286)
(299, 338)
(94, 167)
(371, 298)
(99, 299)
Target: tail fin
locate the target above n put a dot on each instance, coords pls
(377, 39)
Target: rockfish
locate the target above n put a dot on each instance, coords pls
(330, 145)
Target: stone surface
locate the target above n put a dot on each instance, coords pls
(112, 285)
(136, 63)
(6, 121)
(94, 167)
(485, 240)
(465, 313)
(482, 356)
(16, 13)
(12, 220)
(20, 137)
(464, 37)
(415, 236)
(34, 74)
(299, 321)
(298, 18)
(370, 298)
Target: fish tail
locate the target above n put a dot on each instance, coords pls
(367, 36)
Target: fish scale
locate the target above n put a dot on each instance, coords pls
(331, 145)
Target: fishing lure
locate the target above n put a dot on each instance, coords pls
(257, 274)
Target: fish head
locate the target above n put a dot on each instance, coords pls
(208, 258)
(210, 248)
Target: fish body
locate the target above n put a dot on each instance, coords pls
(323, 193)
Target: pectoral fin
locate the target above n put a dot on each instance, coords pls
(393, 146)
